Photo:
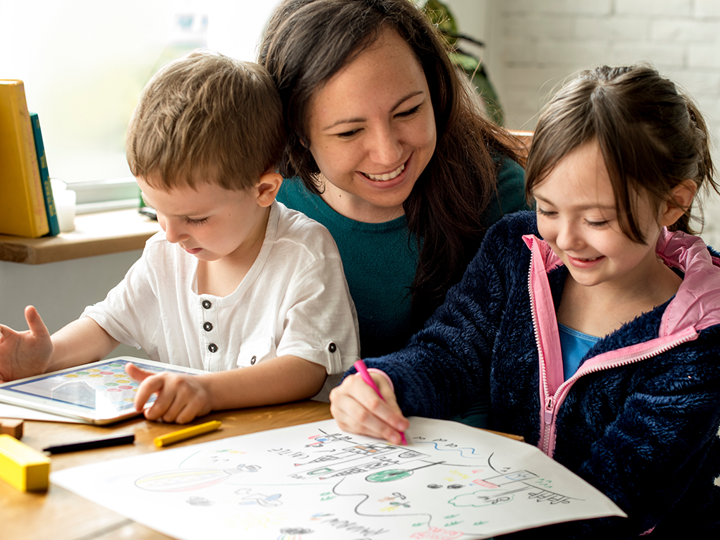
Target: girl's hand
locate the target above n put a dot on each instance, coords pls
(358, 409)
(180, 397)
(24, 354)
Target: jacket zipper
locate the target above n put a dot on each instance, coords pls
(553, 402)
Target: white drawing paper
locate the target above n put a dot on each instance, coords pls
(314, 482)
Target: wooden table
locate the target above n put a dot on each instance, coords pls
(62, 515)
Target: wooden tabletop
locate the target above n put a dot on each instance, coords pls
(62, 515)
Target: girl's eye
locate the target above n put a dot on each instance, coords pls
(544, 212)
(596, 223)
(191, 221)
(409, 112)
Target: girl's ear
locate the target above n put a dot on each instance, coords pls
(681, 197)
(267, 188)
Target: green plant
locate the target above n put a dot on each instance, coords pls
(441, 16)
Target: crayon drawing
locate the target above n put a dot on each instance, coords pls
(313, 482)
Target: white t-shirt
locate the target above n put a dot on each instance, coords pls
(294, 300)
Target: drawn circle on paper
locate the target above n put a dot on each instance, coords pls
(181, 480)
(110, 384)
(125, 387)
(114, 390)
(388, 476)
(71, 376)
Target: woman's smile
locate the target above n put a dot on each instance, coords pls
(372, 135)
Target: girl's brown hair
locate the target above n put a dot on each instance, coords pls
(652, 137)
(308, 41)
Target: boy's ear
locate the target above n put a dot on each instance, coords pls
(681, 197)
(268, 187)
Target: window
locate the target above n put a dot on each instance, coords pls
(84, 64)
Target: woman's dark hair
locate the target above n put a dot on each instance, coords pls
(306, 42)
(651, 136)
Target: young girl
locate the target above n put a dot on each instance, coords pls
(595, 322)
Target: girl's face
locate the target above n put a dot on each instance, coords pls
(576, 215)
(372, 130)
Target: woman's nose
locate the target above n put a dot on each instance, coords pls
(386, 148)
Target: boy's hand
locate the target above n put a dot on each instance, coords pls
(24, 354)
(358, 409)
(180, 398)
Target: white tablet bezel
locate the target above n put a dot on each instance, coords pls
(9, 394)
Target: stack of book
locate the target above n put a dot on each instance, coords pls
(27, 207)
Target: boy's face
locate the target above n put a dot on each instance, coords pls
(209, 222)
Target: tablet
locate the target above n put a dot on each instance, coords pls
(97, 393)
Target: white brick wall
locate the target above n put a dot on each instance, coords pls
(534, 45)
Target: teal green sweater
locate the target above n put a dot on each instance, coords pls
(380, 259)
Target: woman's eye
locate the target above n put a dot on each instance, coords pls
(409, 112)
(347, 134)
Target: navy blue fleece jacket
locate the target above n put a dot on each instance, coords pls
(640, 418)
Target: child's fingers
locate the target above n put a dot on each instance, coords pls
(148, 387)
(35, 323)
(358, 409)
(137, 373)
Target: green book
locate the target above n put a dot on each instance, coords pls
(45, 177)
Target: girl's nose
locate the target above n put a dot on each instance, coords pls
(568, 238)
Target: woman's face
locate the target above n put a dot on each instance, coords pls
(372, 131)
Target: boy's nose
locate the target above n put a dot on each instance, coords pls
(173, 232)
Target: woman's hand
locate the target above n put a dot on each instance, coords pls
(358, 409)
(180, 397)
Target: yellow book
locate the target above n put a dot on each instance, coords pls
(22, 207)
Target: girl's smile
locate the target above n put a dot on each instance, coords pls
(577, 217)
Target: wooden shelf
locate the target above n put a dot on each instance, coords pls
(95, 234)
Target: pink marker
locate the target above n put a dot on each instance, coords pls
(362, 370)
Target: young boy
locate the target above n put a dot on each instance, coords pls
(234, 280)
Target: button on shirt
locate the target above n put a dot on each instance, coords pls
(294, 300)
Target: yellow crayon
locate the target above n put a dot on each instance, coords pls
(187, 433)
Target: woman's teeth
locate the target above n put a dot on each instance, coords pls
(387, 176)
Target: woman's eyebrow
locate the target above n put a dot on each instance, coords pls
(354, 120)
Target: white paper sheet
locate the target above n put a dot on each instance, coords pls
(315, 482)
(11, 411)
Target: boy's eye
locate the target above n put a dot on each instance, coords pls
(191, 221)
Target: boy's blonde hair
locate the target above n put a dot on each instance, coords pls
(206, 118)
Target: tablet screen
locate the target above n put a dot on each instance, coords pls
(104, 387)
(100, 390)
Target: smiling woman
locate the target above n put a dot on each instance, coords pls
(389, 151)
